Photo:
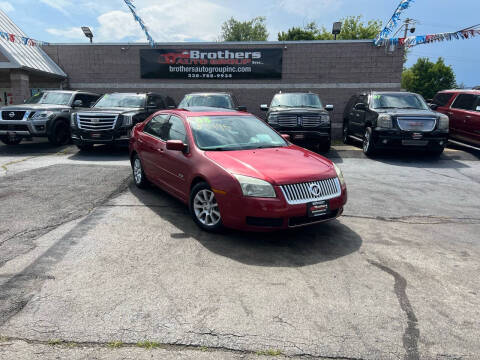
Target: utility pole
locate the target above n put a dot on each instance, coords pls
(407, 23)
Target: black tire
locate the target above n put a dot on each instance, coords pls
(196, 204)
(8, 141)
(139, 177)
(436, 152)
(60, 133)
(85, 147)
(368, 144)
(324, 147)
(346, 133)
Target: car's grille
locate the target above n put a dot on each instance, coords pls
(416, 124)
(13, 115)
(302, 193)
(287, 120)
(300, 120)
(96, 122)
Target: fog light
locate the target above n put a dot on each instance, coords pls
(385, 141)
(440, 143)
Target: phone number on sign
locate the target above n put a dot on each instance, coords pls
(209, 76)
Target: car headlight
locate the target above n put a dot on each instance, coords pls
(42, 115)
(127, 120)
(73, 120)
(384, 121)
(443, 122)
(339, 174)
(325, 120)
(273, 119)
(254, 187)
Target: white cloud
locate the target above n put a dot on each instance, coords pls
(6, 6)
(73, 33)
(310, 7)
(60, 5)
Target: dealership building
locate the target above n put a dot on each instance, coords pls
(252, 71)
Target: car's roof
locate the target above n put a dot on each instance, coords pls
(296, 93)
(206, 109)
(467, 91)
(393, 92)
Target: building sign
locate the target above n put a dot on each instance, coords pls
(211, 64)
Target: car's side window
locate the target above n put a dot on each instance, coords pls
(465, 102)
(176, 129)
(477, 105)
(86, 99)
(157, 126)
(442, 99)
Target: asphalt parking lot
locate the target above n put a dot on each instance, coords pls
(91, 267)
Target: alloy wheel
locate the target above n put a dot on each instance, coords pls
(137, 171)
(205, 207)
(366, 141)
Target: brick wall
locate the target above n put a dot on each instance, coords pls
(334, 70)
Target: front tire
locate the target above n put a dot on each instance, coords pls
(437, 152)
(324, 147)
(204, 208)
(8, 141)
(60, 133)
(368, 144)
(85, 147)
(138, 174)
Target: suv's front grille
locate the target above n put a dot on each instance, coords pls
(13, 115)
(416, 123)
(311, 120)
(96, 122)
(302, 193)
(287, 120)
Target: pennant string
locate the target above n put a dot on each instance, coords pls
(21, 39)
(393, 22)
(137, 18)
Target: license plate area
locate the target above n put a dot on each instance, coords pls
(317, 208)
(415, 142)
(299, 136)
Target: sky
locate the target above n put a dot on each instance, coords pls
(59, 21)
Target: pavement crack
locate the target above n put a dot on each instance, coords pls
(412, 333)
(420, 220)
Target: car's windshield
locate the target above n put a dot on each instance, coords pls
(296, 100)
(218, 101)
(50, 97)
(398, 101)
(121, 101)
(221, 133)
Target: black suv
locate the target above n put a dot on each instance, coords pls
(303, 117)
(221, 100)
(45, 114)
(394, 120)
(111, 119)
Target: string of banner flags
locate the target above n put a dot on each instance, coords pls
(410, 41)
(140, 21)
(14, 38)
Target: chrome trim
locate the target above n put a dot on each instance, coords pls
(6, 132)
(109, 123)
(300, 193)
(418, 118)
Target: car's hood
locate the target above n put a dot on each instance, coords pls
(279, 166)
(296, 110)
(35, 107)
(407, 112)
(115, 110)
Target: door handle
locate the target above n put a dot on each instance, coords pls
(160, 150)
(468, 117)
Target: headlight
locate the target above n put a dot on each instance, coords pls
(325, 120)
(339, 174)
(273, 119)
(73, 120)
(42, 115)
(384, 121)
(443, 122)
(127, 120)
(254, 187)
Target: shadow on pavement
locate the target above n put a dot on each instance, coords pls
(31, 148)
(100, 153)
(290, 248)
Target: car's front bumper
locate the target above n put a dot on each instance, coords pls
(115, 137)
(24, 128)
(262, 214)
(401, 139)
(307, 136)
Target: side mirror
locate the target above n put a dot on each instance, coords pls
(286, 137)
(360, 106)
(433, 106)
(176, 145)
(329, 107)
(264, 107)
(241, 108)
(77, 103)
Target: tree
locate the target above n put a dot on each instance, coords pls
(252, 30)
(353, 28)
(427, 78)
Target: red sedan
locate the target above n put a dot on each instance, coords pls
(233, 170)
